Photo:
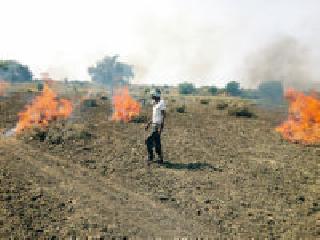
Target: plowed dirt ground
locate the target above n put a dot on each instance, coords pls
(223, 178)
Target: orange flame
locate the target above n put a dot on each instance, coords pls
(43, 109)
(303, 123)
(3, 86)
(125, 107)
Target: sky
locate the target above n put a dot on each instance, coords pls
(206, 42)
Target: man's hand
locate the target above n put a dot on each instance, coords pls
(161, 128)
(147, 126)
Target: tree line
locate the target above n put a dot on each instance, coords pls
(107, 71)
(13, 71)
(111, 72)
(270, 90)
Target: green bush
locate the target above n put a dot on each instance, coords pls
(233, 88)
(13, 71)
(213, 90)
(186, 88)
(146, 90)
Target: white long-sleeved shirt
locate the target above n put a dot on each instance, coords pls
(157, 117)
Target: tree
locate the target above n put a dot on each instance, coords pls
(13, 71)
(233, 88)
(186, 88)
(110, 71)
(271, 90)
(213, 90)
(146, 90)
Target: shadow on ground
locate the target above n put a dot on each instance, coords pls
(190, 166)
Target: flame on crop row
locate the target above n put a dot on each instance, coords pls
(303, 123)
(43, 109)
(125, 107)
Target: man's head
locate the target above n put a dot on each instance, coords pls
(155, 94)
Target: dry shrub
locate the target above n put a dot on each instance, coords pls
(221, 105)
(204, 101)
(241, 111)
(88, 103)
(58, 133)
(104, 98)
(181, 109)
(139, 119)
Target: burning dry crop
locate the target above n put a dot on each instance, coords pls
(44, 108)
(303, 123)
(125, 107)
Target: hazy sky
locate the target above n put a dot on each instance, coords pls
(168, 41)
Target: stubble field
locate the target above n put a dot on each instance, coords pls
(224, 177)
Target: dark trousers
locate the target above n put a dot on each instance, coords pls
(154, 141)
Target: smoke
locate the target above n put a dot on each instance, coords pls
(178, 47)
(205, 42)
(209, 43)
(286, 60)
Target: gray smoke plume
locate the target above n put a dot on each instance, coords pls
(179, 46)
(285, 60)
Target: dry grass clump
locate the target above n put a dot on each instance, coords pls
(58, 133)
(221, 105)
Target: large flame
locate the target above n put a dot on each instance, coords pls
(3, 86)
(125, 107)
(303, 124)
(43, 109)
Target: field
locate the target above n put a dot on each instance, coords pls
(224, 177)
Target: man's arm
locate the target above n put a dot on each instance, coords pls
(163, 115)
(148, 124)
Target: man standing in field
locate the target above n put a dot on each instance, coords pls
(157, 125)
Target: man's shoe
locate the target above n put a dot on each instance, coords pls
(149, 161)
(160, 161)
